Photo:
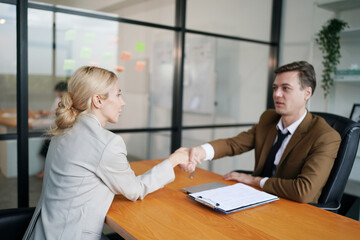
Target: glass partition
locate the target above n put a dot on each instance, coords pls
(154, 11)
(8, 63)
(8, 148)
(8, 174)
(141, 56)
(242, 18)
(42, 79)
(225, 81)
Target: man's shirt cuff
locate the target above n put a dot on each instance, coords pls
(209, 150)
(263, 181)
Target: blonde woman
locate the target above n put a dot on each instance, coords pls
(86, 164)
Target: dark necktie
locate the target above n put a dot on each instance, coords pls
(269, 166)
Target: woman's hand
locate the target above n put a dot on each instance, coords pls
(180, 156)
(196, 155)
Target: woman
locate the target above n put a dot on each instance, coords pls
(86, 165)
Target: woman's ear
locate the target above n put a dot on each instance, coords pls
(96, 101)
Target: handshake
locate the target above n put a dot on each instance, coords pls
(187, 158)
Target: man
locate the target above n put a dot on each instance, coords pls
(298, 165)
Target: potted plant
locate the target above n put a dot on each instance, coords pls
(328, 39)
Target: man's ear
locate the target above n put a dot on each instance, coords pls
(308, 93)
(96, 101)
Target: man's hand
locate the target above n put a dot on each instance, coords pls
(243, 178)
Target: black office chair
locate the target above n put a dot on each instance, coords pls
(333, 190)
(14, 222)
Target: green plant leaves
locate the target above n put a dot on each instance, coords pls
(328, 39)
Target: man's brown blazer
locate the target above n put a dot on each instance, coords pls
(307, 160)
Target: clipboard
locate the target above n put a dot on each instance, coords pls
(203, 187)
(232, 198)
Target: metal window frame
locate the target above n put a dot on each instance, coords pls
(274, 49)
(176, 127)
(22, 100)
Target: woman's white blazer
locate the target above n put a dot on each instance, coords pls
(84, 169)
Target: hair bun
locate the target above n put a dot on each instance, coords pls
(66, 114)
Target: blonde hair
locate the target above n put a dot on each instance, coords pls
(84, 83)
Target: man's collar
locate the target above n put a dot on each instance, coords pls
(293, 126)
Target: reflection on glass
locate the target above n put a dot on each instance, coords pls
(8, 158)
(154, 11)
(84, 41)
(44, 93)
(244, 161)
(41, 75)
(141, 56)
(7, 63)
(225, 81)
(243, 18)
(146, 81)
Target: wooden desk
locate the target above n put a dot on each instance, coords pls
(169, 214)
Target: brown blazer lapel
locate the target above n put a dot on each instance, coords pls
(298, 135)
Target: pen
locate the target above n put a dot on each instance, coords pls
(192, 175)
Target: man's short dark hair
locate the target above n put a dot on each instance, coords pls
(306, 73)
